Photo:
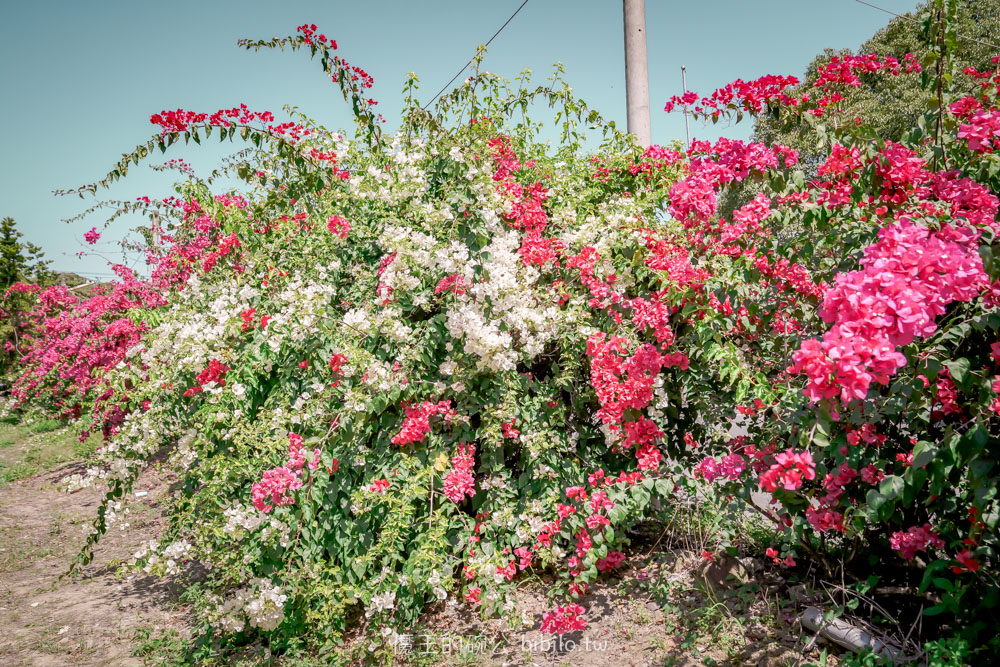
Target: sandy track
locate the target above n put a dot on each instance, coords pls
(89, 618)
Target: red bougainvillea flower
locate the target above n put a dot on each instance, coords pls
(509, 431)
(611, 562)
(338, 226)
(968, 563)
(417, 425)
(214, 373)
(460, 482)
(789, 471)
(563, 619)
(454, 283)
(248, 318)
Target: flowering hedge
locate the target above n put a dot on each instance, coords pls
(405, 369)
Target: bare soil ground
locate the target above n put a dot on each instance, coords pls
(667, 608)
(88, 618)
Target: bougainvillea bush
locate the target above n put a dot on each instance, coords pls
(402, 370)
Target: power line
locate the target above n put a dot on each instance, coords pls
(882, 9)
(912, 20)
(470, 61)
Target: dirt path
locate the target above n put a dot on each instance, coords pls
(89, 619)
(627, 625)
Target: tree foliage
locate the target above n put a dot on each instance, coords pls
(20, 262)
(890, 106)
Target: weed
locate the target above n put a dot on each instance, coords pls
(29, 448)
(44, 425)
(160, 647)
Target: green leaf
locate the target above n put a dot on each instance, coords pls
(935, 610)
(923, 453)
(875, 500)
(891, 486)
(944, 584)
(959, 370)
(641, 496)
(971, 444)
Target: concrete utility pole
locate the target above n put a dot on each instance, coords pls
(636, 72)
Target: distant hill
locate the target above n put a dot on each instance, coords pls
(69, 279)
(76, 283)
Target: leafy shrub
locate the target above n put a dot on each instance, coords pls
(403, 370)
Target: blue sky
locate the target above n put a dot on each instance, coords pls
(79, 79)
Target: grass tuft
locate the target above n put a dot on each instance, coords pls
(31, 447)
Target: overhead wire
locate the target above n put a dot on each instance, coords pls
(912, 20)
(464, 67)
(98, 276)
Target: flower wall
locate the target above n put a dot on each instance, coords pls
(396, 371)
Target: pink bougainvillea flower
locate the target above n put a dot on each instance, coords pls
(916, 538)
